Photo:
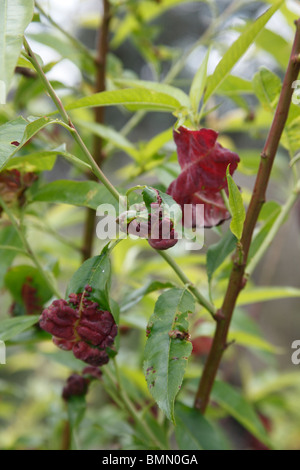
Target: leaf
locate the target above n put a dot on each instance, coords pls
(237, 50)
(77, 193)
(236, 206)
(8, 237)
(193, 431)
(95, 272)
(33, 162)
(166, 356)
(14, 326)
(17, 276)
(172, 91)
(136, 296)
(20, 132)
(76, 410)
(218, 252)
(11, 131)
(141, 98)
(236, 405)
(110, 135)
(155, 144)
(267, 87)
(15, 17)
(263, 294)
(199, 83)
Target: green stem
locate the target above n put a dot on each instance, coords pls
(72, 39)
(95, 168)
(285, 210)
(28, 250)
(182, 276)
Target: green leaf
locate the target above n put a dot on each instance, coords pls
(8, 237)
(14, 326)
(77, 193)
(172, 91)
(149, 195)
(193, 431)
(267, 87)
(20, 132)
(238, 49)
(235, 404)
(155, 144)
(11, 131)
(76, 410)
(236, 207)
(263, 294)
(141, 98)
(199, 83)
(218, 252)
(136, 296)
(110, 135)
(33, 162)
(166, 355)
(95, 272)
(17, 276)
(14, 18)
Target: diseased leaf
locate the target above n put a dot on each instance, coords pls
(15, 17)
(238, 49)
(8, 238)
(168, 347)
(203, 162)
(15, 134)
(96, 273)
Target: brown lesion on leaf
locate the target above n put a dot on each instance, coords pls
(177, 334)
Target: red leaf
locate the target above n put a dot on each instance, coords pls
(203, 162)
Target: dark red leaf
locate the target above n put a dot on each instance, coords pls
(203, 162)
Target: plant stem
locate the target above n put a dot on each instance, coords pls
(102, 50)
(95, 168)
(237, 279)
(182, 276)
(78, 44)
(285, 210)
(28, 249)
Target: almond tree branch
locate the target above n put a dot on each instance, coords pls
(237, 279)
(102, 50)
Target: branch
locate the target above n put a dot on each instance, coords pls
(237, 279)
(102, 50)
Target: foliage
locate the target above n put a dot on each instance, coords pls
(190, 133)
